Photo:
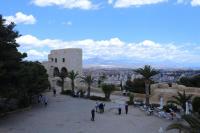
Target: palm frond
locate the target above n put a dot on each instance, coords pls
(88, 79)
(178, 126)
(189, 97)
(193, 121)
(147, 72)
(181, 99)
(72, 75)
(173, 102)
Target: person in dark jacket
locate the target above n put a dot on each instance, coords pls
(119, 110)
(101, 107)
(54, 91)
(45, 100)
(126, 108)
(93, 114)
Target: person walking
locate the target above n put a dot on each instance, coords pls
(45, 100)
(40, 98)
(101, 107)
(119, 110)
(126, 108)
(54, 91)
(93, 114)
(97, 106)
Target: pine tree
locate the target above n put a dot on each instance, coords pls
(10, 58)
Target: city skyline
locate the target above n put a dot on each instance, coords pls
(112, 33)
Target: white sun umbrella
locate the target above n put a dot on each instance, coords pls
(187, 108)
(161, 102)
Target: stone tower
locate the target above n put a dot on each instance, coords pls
(63, 60)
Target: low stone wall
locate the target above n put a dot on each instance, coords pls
(167, 92)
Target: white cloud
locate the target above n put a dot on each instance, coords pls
(195, 2)
(191, 2)
(114, 49)
(70, 4)
(28, 40)
(197, 48)
(128, 3)
(36, 53)
(68, 23)
(20, 18)
(110, 1)
(181, 1)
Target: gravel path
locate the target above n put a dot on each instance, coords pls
(72, 115)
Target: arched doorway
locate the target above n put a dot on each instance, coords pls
(64, 71)
(56, 72)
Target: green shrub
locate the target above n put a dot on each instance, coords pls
(82, 93)
(136, 86)
(196, 104)
(108, 89)
(190, 81)
(98, 98)
(167, 107)
(24, 102)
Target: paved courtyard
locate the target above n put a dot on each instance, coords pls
(72, 115)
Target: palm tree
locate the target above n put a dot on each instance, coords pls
(108, 89)
(181, 99)
(62, 75)
(193, 125)
(147, 72)
(101, 79)
(88, 80)
(72, 75)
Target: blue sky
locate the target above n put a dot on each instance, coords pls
(125, 33)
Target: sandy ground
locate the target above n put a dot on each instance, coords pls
(72, 115)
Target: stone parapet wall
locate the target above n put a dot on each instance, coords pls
(158, 90)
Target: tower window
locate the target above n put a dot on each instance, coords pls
(52, 59)
(63, 59)
(55, 59)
